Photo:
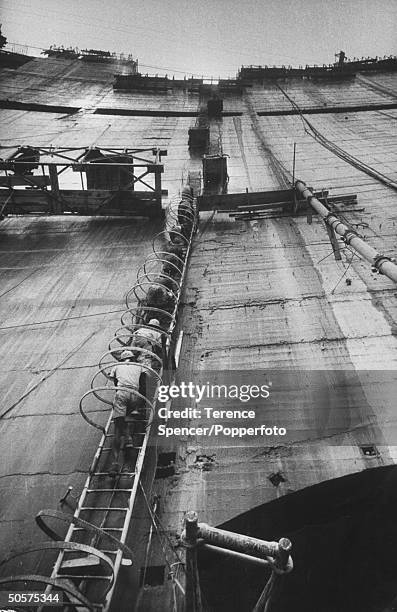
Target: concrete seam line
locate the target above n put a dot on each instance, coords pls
(64, 360)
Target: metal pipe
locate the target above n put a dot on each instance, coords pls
(382, 263)
(232, 554)
(244, 544)
(193, 593)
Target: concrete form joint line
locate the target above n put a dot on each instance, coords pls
(44, 378)
(43, 473)
(214, 349)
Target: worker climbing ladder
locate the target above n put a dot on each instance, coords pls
(89, 558)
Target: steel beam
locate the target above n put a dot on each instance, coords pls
(86, 202)
(234, 200)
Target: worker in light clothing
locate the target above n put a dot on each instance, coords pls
(151, 339)
(148, 337)
(129, 377)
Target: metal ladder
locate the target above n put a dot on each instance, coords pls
(94, 549)
(102, 517)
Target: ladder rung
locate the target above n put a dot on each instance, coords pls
(112, 528)
(83, 577)
(103, 508)
(108, 449)
(108, 490)
(103, 528)
(107, 474)
(109, 552)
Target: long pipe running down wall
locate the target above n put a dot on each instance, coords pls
(382, 263)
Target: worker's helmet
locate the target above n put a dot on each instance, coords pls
(126, 355)
(154, 322)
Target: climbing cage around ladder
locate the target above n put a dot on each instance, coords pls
(86, 562)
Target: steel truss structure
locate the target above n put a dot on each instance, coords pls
(113, 181)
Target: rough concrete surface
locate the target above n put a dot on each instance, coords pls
(258, 295)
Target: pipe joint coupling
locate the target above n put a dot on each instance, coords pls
(301, 188)
(379, 260)
(349, 235)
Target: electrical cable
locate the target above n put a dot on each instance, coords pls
(50, 373)
(170, 566)
(98, 24)
(326, 257)
(94, 314)
(168, 540)
(344, 274)
(159, 527)
(106, 27)
(336, 150)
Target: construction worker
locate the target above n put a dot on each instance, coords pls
(186, 211)
(160, 297)
(150, 339)
(176, 250)
(168, 283)
(185, 217)
(176, 236)
(172, 266)
(129, 378)
(157, 297)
